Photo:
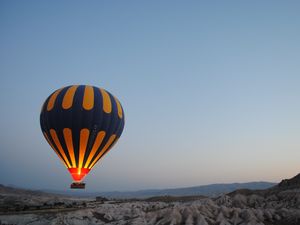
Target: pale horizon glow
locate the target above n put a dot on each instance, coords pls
(210, 90)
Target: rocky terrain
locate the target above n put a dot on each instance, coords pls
(279, 205)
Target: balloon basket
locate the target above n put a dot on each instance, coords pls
(76, 185)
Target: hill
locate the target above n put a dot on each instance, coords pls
(212, 190)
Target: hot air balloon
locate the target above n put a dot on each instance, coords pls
(81, 123)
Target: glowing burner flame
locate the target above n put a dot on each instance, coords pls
(78, 173)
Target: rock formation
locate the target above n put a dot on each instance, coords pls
(279, 205)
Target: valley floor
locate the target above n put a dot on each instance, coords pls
(226, 210)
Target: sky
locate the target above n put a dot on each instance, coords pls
(210, 89)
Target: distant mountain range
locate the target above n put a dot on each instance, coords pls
(212, 190)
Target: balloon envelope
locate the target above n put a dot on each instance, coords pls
(81, 123)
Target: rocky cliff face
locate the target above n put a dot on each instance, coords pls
(289, 183)
(276, 206)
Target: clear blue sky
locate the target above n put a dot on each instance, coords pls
(210, 89)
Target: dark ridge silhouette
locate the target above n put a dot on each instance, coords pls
(289, 183)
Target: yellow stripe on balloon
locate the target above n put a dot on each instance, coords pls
(49, 142)
(97, 143)
(112, 145)
(58, 145)
(84, 137)
(88, 98)
(106, 101)
(52, 100)
(69, 96)
(107, 145)
(120, 111)
(69, 143)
